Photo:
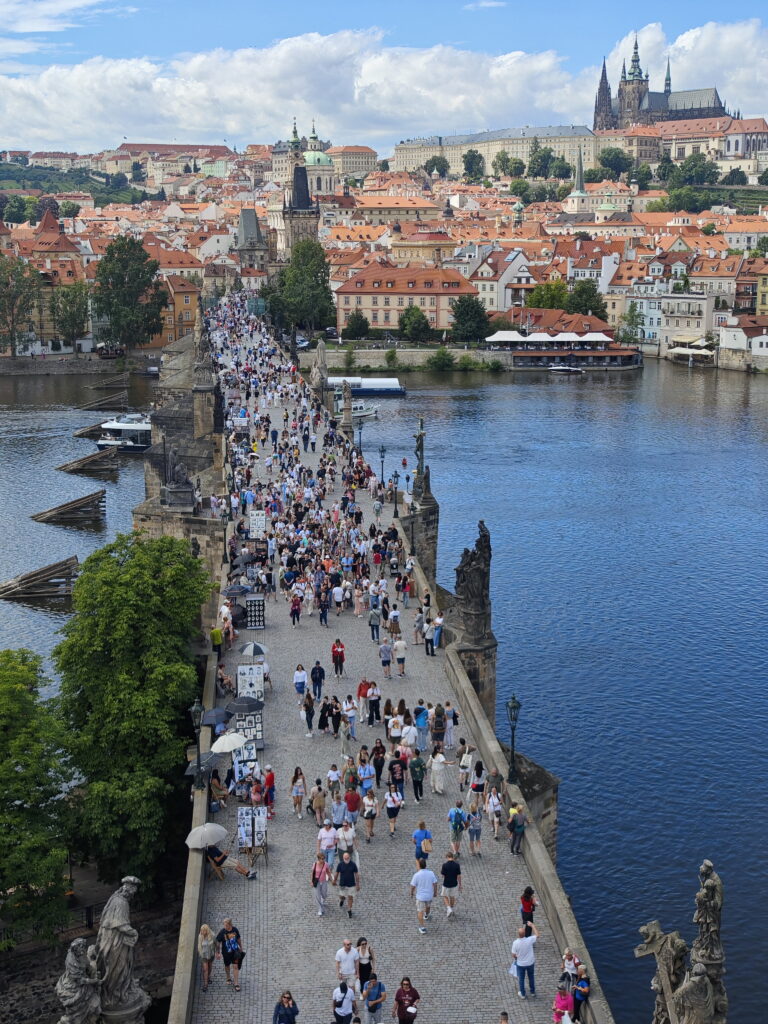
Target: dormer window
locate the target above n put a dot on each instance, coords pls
(377, 284)
(411, 284)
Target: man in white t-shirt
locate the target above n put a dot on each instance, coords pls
(424, 888)
(347, 966)
(327, 839)
(524, 958)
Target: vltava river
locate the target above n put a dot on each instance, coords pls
(628, 522)
(627, 515)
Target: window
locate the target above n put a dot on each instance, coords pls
(386, 316)
(680, 153)
(187, 314)
(433, 300)
(377, 284)
(346, 300)
(410, 300)
(359, 300)
(386, 300)
(411, 284)
(375, 300)
(374, 317)
(169, 318)
(695, 149)
(186, 300)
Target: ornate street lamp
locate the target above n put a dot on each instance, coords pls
(360, 438)
(407, 481)
(412, 552)
(196, 714)
(395, 481)
(382, 453)
(513, 713)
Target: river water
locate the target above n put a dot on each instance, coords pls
(629, 535)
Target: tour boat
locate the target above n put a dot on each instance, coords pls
(362, 387)
(563, 368)
(131, 433)
(360, 411)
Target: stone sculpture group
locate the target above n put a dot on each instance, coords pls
(98, 984)
(691, 993)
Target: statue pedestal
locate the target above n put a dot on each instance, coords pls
(132, 1013)
(180, 497)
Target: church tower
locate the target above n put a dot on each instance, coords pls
(603, 108)
(668, 80)
(632, 91)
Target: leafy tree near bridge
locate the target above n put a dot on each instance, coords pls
(69, 209)
(19, 295)
(127, 680)
(734, 177)
(549, 295)
(356, 327)
(695, 170)
(439, 164)
(470, 319)
(630, 325)
(516, 168)
(127, 294)
(69, 307)
(585, 298)
(304, 287)
(414, 325)
(500, 163)
(474, 165)
(615, 160)
(32, 811)
(643, 175)
(594, 175)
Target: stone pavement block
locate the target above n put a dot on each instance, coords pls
(460, 967)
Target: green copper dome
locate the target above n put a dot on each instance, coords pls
(315, 158)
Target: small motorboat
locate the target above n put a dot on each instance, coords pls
(360, 411)
(130, 434)
(563, 368)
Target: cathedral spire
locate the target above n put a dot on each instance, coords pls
(579, 172)
(668, 80)
(603, 109)
(623, 71)
(635, 71)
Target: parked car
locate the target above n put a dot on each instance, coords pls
(331, 332)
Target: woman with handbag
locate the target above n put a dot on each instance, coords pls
(406, 1002)
(370, 813)
(422, 840)
(320, 876)
(494, 809)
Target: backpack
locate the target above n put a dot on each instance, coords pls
(439, 724)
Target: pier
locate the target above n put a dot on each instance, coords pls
(55, 580)
(89, 507)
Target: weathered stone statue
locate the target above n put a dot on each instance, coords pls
(419, 489)
(78, 987)
(122, 999)
(346, 416)
(320, 359)
(695, 999)
(473, 573)
(709, 907)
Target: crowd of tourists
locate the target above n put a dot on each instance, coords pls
(317, 557)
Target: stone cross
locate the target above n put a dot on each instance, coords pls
(662, 946)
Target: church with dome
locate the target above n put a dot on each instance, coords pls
(635, 103)
(311, 153)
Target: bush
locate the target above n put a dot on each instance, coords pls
(349, 358)
(442, 359)
(495, 366)
(55, 345)
(467, 363)
(390, 359)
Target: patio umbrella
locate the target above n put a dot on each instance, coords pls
(228, 742)
(245, 705)
(207, 761)
(208, 834)
(253, 650)
(236, 590)
(215, 716)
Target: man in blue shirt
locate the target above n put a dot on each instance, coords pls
(374, 995)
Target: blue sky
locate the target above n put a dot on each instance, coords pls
(80, 74)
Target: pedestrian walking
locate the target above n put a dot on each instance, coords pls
(349, 707)
(385, 655)
(298, 791)
(378, 759)
(393, 802)
(370, 813)
(516, 826)
(374, 621)
(348, 880)
(346, 735)
(338, 657)
(451, 721)
(437, 763)
(438, 724)
(317, 801)
(528, 904)
(524, 959)
(318, 678)
(437, 622)
(464, 757)
(320, 876)
(457, 820)
(367, 961)
(374, 995)
(418, 768)
(451, 872)
(474, 826)
(406, 1000)
(421, 721)
(308, 707)
(477, 780)
(295, 610)
(422, 840)
(424, 889)
(343, 1003)
(229, 948)
(347, 963)
(327, 839)
(374, 704)
(300, 682)
(399, 648)
(494, 809)
(286, 1011)
(206, 950)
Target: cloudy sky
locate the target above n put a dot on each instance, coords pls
(83, 74)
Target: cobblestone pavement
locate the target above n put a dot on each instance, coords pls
(460, 967)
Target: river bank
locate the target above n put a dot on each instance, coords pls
(46, 366)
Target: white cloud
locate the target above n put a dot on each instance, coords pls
(482, 5)
(358, 88)
(44, 15)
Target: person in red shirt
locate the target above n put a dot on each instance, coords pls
(353, 800)
(338, 656)
(405, 997)
(269, 790)
(528, 904)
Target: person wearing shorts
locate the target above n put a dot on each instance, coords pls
(385, 654)
(393, 802)
(451, 872)
(229, 948)
(424, 888)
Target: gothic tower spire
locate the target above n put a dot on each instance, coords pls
(624, 71)
(668, 80)
(579, 184)
(635, 71)
(603, 110)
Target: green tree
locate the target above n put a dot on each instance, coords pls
(470, 319)
(127, 680)
(3, 204)
(520, 188)
(305, 290)
(441, 359)
(500, 163)
(31, 209)
(356, 327)
(734, 177)
(48, 203)
(32, 811)
(383, 165)
(594, 175)
(763, 179)
(14, 210)
(665, 168)
(414, 325)
(709, 229)
(119, 180)
(137, 172)
(127, 294)
(474, 165)
(643, 175)
(585, 298)
(437, 163)
(761, 248)
(187, 169)
(69, 307)
(516, 167)
(549, 295)
(560, 168)
(19, 294)
(539, 162)
(539, 194)
(563, 192)
(658, 206)
(630, 325)
(615, 160)
(690, 199)
(695, 170)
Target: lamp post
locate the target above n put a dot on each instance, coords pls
(360, 437)
(395, 481)
(225, 554)
(196, 714)
(513, 713)
(407, 481)
(412, 552)
(382, 453)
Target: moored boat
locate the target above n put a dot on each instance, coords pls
(129, 434)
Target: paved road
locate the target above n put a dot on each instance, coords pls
(460, 966)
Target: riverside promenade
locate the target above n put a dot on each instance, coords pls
(460, 967)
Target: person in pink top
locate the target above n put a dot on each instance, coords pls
(562, 1003)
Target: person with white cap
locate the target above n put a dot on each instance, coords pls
(327, 839)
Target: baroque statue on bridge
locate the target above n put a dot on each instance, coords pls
(78, 988)
(121, 995)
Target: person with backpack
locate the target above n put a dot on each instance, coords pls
(516, 826)
(374, 995)
(458, 820)
(438, 725)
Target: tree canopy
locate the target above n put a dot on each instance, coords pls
(549, 295)
(69, 307)
(474, 165)
(304, 287)
(127, 679)
(33, 808)
(643, 175)
(470, 319)
(630, 325)
(414, 325)
(539, 161)
(127, 294)
(734, 177)
(615, 160)
(585, 298)
(437, 163)
(560, 168)
(695, 170)
(356, 327)
(19, 295)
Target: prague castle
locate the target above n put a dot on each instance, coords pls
(636, 104)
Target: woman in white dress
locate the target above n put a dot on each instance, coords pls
(437, 764)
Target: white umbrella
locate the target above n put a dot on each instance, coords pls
(208, 834)
(228, 742)
(253, 649)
